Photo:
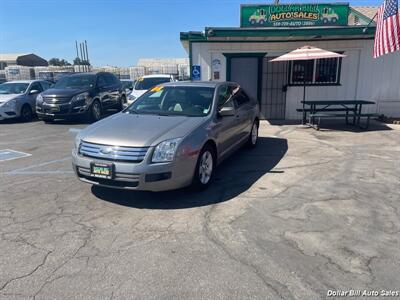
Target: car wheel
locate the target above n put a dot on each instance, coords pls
(253, 138)
(121, 103)
(26, 113)
(95, 111)
(204, 172)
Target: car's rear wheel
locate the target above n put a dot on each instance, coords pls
(205, 166)
(95, 111)
(253, 138)
(26, 113)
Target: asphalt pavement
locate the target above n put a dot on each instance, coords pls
(305, 212)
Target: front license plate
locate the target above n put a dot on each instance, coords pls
(102, 170)
(55, 109)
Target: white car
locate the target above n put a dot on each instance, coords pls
(144, 83)
(18, 98)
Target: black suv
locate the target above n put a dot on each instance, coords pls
(85, 94)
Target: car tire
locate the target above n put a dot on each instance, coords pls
(204, 172)
(253, 138)
(95, 111)
(122, 100)
(26, 113)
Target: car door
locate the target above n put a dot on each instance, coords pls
(102, 91)
(244, 111)
(114, 88)
(226, 126)
(33, 91)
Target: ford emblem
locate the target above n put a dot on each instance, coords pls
(107, 150)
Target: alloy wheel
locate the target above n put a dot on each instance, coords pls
(206, 167)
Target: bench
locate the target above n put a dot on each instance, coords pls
(320, 115)
(326, 109)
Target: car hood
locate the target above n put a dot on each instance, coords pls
(138, 93)
(6, 97)
(134, 130)
(63, 92)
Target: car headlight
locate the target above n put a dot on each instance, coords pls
(78, 140)
(39, 99)
(10, 104)
(79, 97)
(131, 97)
(165, 151)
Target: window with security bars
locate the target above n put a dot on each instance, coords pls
(315, 72)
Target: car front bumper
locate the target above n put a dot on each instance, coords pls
(60, 110)
(6, 113)
(144, 176)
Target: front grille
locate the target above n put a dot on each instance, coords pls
(113, 153)
(56, 99)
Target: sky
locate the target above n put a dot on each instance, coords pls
(118, 32)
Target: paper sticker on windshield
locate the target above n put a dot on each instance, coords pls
(156, 88)
(140, 79)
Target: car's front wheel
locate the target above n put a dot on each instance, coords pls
(26, 113)
(204, 168)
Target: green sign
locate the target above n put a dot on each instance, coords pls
(294, 15)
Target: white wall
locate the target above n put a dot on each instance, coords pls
(362, 77)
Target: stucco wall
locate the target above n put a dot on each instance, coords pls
(362, 77)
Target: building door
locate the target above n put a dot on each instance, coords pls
(273, 95)
(244, 70)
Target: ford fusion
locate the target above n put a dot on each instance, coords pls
(171, 137)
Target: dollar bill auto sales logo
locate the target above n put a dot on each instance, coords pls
(293, 12)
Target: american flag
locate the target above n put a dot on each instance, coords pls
(387, 35)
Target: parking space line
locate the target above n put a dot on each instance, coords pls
(25, 170)
(8, 154)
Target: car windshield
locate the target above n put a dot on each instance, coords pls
(174, 101)
(13, 88)
(127, 84)
(76, 82)
(147, 83)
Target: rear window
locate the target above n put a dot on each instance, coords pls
(147, 83)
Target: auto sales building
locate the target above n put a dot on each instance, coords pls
(242, 54)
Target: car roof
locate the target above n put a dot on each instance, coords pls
(157, 76)
(211, 84)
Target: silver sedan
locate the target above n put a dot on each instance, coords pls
(171, 137)
(18, 98)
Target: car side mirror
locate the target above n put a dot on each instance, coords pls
(130, 88)
(226, 111)
(33, 92)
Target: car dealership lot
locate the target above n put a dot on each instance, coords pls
(305, 212)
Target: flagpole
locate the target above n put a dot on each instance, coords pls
(366, 27)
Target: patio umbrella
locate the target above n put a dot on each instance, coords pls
(306, 53)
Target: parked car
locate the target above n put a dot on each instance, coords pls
(82, 94)
(144, 83)
(171, 137)
(18, 98)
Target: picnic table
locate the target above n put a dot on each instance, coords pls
(319, 109)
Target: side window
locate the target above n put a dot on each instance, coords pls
(241, 98)
(36, 86)
(225, 96)
(45, 85)
(101, 81)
